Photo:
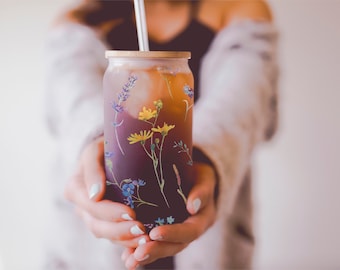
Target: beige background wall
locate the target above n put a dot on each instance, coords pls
(297, 174)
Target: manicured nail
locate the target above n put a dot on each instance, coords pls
(126, 217)
(141, 241)
(135, 230)
(156, 237)
(144, 258)
(94, 190)
(196, 204)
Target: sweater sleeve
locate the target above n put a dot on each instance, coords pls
(74, 67)
(237, 109)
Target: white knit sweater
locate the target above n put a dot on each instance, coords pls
(236, 111)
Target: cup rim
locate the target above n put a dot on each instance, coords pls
(147, 54)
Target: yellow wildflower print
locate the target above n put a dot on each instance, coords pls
(141, 137)
(147, 114)
(163, 130)
(158, 103)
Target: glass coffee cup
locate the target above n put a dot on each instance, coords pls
(148, 108)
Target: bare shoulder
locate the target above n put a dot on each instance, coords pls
(210, 12)
(219, 13)
(246, 9)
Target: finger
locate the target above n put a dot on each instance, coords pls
(114, 231)
(93, 166)
(151, 252)
(189, 230)
(103, 210)
(71, 184)
(203, 190)
(126, 253)
(135, 242)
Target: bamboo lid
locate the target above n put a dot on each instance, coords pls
(147, 54)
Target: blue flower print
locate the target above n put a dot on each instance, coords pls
(159, 221)
(188, 91)
(128, 189)
(130, 202)
(108, 154)
(139, 183)
(170, 220)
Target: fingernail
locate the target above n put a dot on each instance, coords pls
(196, 204)
(141, 241)
(94, 190)
(156, 237)
(126, 217)
(135, 230)
(144, 258)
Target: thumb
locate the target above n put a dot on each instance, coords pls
(203, 191)
(93, 168)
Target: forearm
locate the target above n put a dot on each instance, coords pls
(75, 65)
(237, 107)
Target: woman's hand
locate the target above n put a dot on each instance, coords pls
(168, 240)
(106, 219)
(116, 221)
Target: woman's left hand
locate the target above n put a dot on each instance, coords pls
(168, 240)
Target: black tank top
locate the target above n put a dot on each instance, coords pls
(195, 38)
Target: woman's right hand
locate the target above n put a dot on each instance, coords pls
(105, 219)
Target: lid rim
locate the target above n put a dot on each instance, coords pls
(147, 54)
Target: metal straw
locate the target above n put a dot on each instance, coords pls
(142, 31)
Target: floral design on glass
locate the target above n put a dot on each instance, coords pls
(188, 104)
(156, 136)
(183, 148)
(160, 221)
(179, 183)
(129, 188)
(119, 108)
(188, 91)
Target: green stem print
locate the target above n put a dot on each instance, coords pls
(129, 188)
(179, 182)
(155, 162)
(187, 108)
(167, 82)
(190, 93)
(183, 148)
(156, 144)
(162, 181)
